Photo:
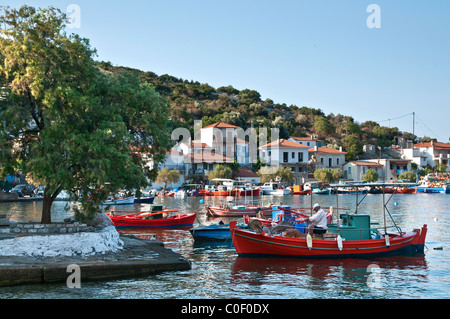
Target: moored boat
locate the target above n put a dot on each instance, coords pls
(144, 200)
(153, 220)
(406, 190)
(272, 188)
(251, 244)
(237, 210)
(429, 188)
(350, 236)
(300, 190)
(119, 201)
(321, 191)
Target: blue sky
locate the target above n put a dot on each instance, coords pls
(318, 53)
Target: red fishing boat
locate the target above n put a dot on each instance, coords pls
(350, 236)
(237, 210)
(157, 218)
(248, 192)
(228, 188)
(300, 190)
(251, 244)
(406, 190)
(139, 221)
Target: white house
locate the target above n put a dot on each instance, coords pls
(282, 152)
(387, 169)
(430, 153)
(307, 141)
(355, 170)
(223, 138)
(327, 157)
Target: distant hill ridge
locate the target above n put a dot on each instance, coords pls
(192, 100)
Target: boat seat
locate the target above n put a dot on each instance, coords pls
(329, 236)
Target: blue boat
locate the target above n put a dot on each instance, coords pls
(144, 200)
(323, 191)
(433, 188)
(213, 232)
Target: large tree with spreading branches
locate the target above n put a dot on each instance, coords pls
(67, 123)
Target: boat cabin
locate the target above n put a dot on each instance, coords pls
(352, 227)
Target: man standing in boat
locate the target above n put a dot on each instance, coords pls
(318, 220)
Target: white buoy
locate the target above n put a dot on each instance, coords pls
(309, 241)
(386, 238)
(339, 242)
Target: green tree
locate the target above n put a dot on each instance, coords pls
(249, 96)
(270, 173)
(266, 174)
(322, 126)
(408, 176)
(353, 148)
(285, 174)
(370, 176)
(167, 176)
(73, 127)
(326, 175)
(220, 171)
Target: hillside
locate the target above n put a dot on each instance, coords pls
(191, 101)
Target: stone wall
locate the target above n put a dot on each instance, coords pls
(45, 229)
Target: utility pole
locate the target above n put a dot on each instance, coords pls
(414, 123)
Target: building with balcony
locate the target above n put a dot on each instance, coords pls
(224, 139)
(307, 141)
(327, 157)
(429, 153)
(387, 169)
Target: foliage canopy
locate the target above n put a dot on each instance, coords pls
(70, 126)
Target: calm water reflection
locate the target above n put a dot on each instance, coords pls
(217, 272)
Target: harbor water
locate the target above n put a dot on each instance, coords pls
(218, 273)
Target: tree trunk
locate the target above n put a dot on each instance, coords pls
(47, 204)
(46, 210)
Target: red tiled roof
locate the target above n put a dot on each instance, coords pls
(284, 143)
(436, 145)
(221, 125)
(308, 138)
(325, 149)
(245, 172)
(208, 157)
(362, 163)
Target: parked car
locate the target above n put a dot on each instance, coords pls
(23, 190)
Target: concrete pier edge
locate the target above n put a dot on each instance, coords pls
(138, 258)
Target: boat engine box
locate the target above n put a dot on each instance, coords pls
(352, 227)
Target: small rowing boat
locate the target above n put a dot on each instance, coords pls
(119, 201)
(237, 210)
(153, 220)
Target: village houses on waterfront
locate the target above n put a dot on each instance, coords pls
(219, 144)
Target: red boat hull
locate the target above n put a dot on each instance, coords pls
(249, 192)
(228, 212)
(175, 221)
(406, 190)
(234, 192)
(249, 244)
